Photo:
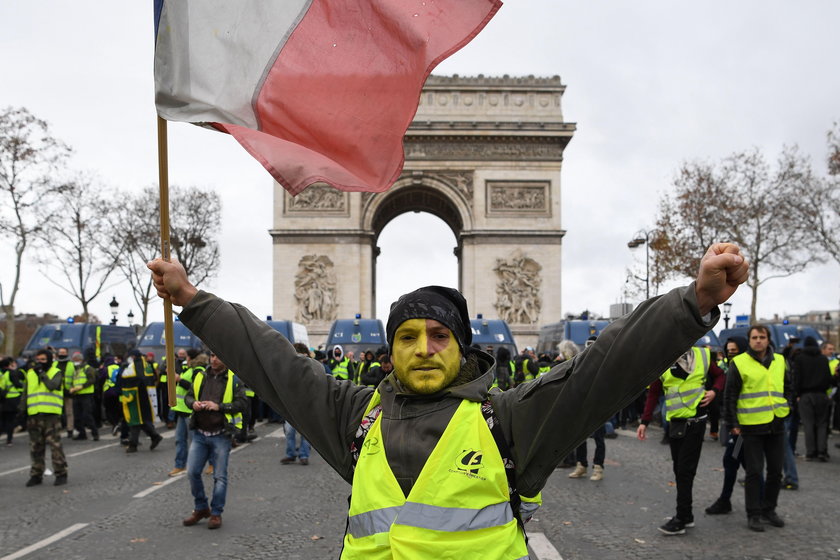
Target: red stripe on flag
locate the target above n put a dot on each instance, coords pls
(338, 100)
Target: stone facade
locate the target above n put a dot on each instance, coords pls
(484, 154)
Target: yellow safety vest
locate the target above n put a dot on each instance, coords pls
(39, 399)
(6, 384)
(763, 390)
(181, 393)
(80, 377)
(341, 370)
(68, 372)
(227, 397)
(683, 395)
(459, 507)
(111, 377)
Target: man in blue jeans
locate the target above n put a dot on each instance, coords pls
(217, 400)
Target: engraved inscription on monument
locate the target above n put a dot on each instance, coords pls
(505, 197)
(518, 289)
(315, 289)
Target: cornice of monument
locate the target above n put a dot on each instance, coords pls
(494, 82)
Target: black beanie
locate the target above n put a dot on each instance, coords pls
(444, 305)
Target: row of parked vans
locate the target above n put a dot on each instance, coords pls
(354, 335)
(358, 335)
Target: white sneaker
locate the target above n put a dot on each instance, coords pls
(579, 472)
(597, 473)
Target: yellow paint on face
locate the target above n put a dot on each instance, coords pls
(425, 355)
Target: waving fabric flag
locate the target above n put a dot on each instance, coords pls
(316, 90)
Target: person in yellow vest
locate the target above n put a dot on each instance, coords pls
(756, 402)
(828, 350)
(217, 400)
(690, 385)
(82, 387)
(342, 366)
(433, 437)
(11, 387)
(43, 400)
(182, 412)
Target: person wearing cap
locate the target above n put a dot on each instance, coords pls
(441, 466)
(82, 387)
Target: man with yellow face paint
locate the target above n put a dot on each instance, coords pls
(437, 460)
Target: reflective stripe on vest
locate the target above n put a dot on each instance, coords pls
(459, 507)
(762, 392)
(39, 399)
(181, 393)
(341, 371)
(682, 396)
(227, 398)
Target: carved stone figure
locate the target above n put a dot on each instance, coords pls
(317, 197)
(518, 289)
(315, 290)
(518, 197)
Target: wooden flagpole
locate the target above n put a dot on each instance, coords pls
(168, 328)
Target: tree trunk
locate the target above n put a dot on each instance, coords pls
(9, 310)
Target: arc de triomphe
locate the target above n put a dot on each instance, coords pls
(483, 154)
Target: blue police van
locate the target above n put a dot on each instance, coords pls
(81, 337)
(781, 334)
(356, 335)
(153, 338)
(491, 334)
(576, 330)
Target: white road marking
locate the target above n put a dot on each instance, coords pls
(278, 433)
(160, 485)
(541, 546)
(45, 542)
(101, 447)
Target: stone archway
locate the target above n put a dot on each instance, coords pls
(482, 154)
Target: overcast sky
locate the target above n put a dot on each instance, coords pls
(650, 84)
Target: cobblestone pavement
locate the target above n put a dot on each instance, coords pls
(126, 507)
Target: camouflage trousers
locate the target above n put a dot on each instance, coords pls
(45, 429)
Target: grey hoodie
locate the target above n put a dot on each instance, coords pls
(542, 420)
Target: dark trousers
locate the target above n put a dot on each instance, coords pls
(83, 415)
(113, 409)
(757, 449)
(733, 458)
(685, 455)
(793, 430)
(714, 416)
(163, 402)
(134, 433)
(8, 418)
(600, 449)
(813, 410)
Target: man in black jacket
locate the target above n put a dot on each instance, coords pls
(811, 381)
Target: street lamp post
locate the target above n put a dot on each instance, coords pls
(727, 307)
(115, 309)
(642, 237)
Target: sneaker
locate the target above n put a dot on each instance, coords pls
(80, 437)
(288, 460)
(719, 507)
(579, 472)
(156, 441)
(754, 524)
(773, 519)
(597, 473)
(60, 480)
(34, 481)
(176, 472)
(674, 526)
(131, 449)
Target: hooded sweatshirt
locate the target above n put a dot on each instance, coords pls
(810, 369)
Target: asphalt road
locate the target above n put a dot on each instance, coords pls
(124, 507)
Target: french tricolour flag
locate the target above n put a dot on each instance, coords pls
(316, 90)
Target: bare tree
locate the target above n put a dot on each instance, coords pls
(69, 249)
(134, 237)
(29, 161)
(740, 200)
